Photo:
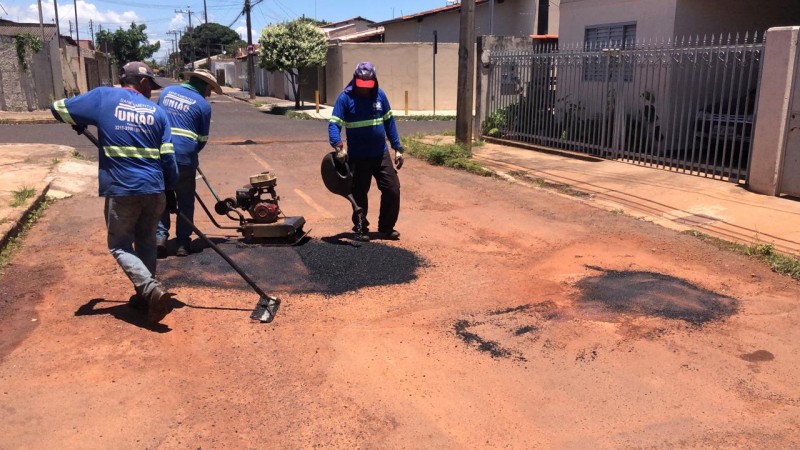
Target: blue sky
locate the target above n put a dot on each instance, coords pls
(160, 16)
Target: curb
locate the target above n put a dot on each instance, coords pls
(26, 121)
(20, 223)
(539, 148)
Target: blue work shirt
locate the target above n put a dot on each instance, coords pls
(189, 115)
(136, 157)
(368, 121)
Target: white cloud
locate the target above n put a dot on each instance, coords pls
(86, 12)
(178, 22)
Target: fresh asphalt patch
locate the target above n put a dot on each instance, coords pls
(650, 294)
(329, 266)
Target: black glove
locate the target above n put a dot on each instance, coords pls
(79, 129)
(398, 157)
(172, 202)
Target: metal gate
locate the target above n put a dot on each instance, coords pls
(686, 105)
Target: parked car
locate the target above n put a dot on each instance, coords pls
(726, 125)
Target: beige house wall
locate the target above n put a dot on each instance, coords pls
(401, 67)
(655, 19)
(511, 18)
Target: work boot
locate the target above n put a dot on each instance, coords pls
(392, 235)
(158, 304)
(161, 248)
(363, 237)
(138, 303)
(183, 250)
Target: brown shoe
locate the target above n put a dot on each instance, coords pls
(138, 303)
(158, 304)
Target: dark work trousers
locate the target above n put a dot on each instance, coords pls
(389, 184)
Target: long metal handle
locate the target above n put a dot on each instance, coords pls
(203, 176)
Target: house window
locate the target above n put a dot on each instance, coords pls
(605, 65)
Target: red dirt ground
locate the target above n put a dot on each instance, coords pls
(483, 331)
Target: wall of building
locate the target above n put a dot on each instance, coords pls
(734, 16)
(511, 18)
(24, 89)
(401, 67)
(655, 19)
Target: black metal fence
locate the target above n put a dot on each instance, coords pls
(686, 105)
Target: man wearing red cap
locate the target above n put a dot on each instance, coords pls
(364, 111)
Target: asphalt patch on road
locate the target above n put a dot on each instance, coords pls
(652, 294)
(330, 266)
(507, 333)
(337, 266)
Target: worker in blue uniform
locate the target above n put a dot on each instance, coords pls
(363, 109)
(136, 165)
(189, 115)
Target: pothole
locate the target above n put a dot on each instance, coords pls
(652, 294)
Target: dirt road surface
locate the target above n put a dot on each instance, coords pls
(505, 317)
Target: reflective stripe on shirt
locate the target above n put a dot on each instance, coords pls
(185, 133)
(167, 148)
(362, 123)
(113, 151)
(61, 109)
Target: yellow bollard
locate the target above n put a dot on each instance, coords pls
(316, 100)
(406, 103)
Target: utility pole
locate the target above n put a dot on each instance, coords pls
(47, 49)
(78, 40)
(250, 50)
(175, 44)
(466, 65)
(189, 13)
(91, 29)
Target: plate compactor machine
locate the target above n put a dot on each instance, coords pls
(266, 222)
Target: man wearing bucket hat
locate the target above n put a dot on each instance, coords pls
(364, 111)
(136, 164)
(189, 115)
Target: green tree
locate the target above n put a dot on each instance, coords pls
(209, 40)
(290, 46)
(127, 45)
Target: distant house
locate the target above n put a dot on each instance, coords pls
(357, 29)
(492, 17)
(595, 21)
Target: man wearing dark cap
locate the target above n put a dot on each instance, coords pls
(136, 164)
(189, 115)
(364, 111)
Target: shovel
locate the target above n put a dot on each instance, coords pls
(267, 305)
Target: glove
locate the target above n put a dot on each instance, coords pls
(172, 202)
(341, 153)
(398, 157)
(79, 129)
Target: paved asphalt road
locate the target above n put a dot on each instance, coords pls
(232, 120)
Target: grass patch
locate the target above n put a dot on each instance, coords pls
(77, 155)
(448, 155)
(298, 115)
(22, 195)
(54, 162)
(258, 104)
(778, 262)
(15, 243)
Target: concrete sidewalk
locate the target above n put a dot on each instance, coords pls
(674, 200)
(671, 199)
